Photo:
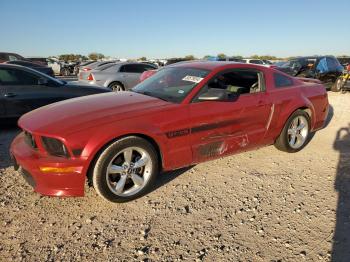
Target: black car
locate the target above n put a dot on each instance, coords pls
(4, 56)
(325, 68)
(23, 89)
(42, 68)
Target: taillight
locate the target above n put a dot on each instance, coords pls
(90, 77)
(86, 69)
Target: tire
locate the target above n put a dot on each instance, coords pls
(338, 85)
(65, 72)
(116, 178)
(116, 87)
(292, 128)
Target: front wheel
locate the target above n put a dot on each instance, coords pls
(338, 85)
(125, 170)
(295, 133)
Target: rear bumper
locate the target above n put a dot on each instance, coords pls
(29, 161)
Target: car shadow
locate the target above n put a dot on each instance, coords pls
(329, 116)
(341, 237)
(8, 131)
(166, 177)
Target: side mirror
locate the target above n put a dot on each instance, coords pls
(213, 94)
(42, 82)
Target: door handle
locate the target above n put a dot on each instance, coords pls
(10, 95)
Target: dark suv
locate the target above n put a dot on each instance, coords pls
(325, 68)
(10, 57)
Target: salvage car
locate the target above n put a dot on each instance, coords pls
(23, 89)
(117, 76)
(183, 115)
(324, 68)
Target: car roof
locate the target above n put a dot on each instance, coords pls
(4, 65)
(209, 65)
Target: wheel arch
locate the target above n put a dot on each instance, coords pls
(115, 82)
(148, 138)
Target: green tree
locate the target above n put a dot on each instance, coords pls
(96, 56)
(237, 56)
(190, 57)
(72, 57)
(206, 57)
(221, 56)
(142, 58)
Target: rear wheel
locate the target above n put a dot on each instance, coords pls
(116, 86)
(125, 170)
(65, 72)
(295, 134)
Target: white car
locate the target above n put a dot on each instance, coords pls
(257, 61)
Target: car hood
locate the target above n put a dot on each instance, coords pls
(73, 115)
(77, 84)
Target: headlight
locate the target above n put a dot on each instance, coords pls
(29, 139)
(55, 147)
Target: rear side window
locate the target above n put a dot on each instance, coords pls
(282, 80)
(131, 68)
(135, 68)
(13, 58)
(253, 61)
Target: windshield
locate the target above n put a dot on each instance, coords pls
(171, 84)
(40, 74)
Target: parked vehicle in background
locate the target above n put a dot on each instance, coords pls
(256, 61)
(41, 68)
(119, 76)
(344, 61)
(184, 115)
(23, 89)
(38, 60)
(324, 68)
(84, 70)
(4, 57)
(343, 81)
(61, 67)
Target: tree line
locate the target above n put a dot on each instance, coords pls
(99, 56)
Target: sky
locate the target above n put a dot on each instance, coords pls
(165, 28)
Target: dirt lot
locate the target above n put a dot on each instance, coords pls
(258, 206)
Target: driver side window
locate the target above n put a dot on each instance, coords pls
(236, 83)
(17, 77)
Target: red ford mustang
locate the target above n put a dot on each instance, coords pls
(183, 115)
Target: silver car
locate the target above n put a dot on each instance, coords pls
(117, 76)
(84, 70)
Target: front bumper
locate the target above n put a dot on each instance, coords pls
(31, 161)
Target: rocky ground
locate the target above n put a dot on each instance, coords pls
(257, 206)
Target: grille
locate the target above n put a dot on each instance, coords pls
(29, 139)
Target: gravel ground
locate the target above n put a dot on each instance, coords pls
(257, 206)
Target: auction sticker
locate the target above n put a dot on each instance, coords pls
(194, 79)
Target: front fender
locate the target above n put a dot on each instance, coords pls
(100, 137)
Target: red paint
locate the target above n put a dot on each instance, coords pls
(185, 133)
(147, 74)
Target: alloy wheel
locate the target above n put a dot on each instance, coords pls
(298, 132)
(129, 171)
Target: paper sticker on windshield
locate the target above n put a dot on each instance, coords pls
(194, 79)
